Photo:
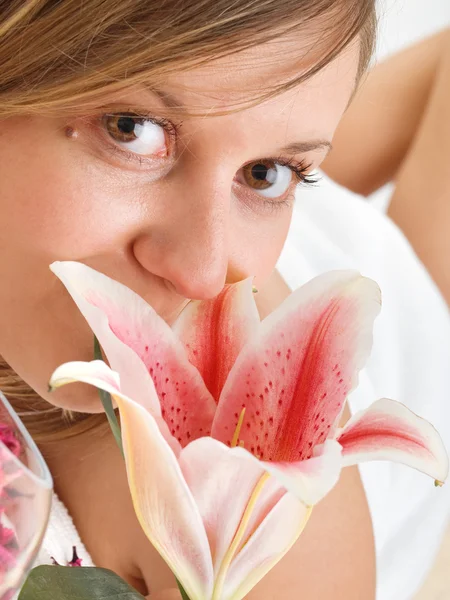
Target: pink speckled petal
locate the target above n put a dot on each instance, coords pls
(293, 379)
(142, 348)
(312, 479)
(98, 374)
(215, 331)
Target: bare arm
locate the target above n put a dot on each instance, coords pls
(378, 128)
(421, 202)
(398, 128)
(334, 556)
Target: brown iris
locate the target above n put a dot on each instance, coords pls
(123, 127)
(260, 175)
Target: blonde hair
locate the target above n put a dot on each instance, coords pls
(59, 56)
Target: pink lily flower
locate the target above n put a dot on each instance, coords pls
(230, 426)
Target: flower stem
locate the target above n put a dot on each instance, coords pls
(238, 537)
(182, 592)
(107, 402)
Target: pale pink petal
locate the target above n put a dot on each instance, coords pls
(214, 331)
(294, 377)
(92, 373)
(222, 482)
(269, 543)
(163, 502)
(223, 479)
(138, 343)
(98, 374)
(388, 430)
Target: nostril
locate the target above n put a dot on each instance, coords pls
(188, 255)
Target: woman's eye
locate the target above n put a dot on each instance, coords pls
(266, 177)
(140, 135)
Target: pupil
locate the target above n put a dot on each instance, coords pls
(126, 124)
(259, 172)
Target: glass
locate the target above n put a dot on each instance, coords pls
(25, 500)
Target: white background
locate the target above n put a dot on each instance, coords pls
(404, 21)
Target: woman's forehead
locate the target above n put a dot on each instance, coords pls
(235, 79)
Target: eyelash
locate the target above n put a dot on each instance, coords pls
(299, 168)
(171, 128)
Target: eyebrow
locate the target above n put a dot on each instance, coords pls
(166, 98)
(301, 147)
(295, 148)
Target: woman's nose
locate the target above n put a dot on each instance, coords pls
(188, 245)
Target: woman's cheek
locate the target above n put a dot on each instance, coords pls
(56, 196)
(258, 242)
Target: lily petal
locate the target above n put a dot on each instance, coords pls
(85, 284)
(388, 430)
(163, 502)
(222, 482)
(270, 542)
(92, 373)
(270, 495)
(310, 480)
(293, 379)
(141, 347)
(162, 493)
(215, 331)
(98, 374)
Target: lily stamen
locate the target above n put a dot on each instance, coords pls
(237, 431)
(239, 534)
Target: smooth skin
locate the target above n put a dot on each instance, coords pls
(173, 226)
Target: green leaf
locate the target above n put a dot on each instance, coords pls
(105, 397)
(49, 582)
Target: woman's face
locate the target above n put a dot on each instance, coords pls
(171, 209)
